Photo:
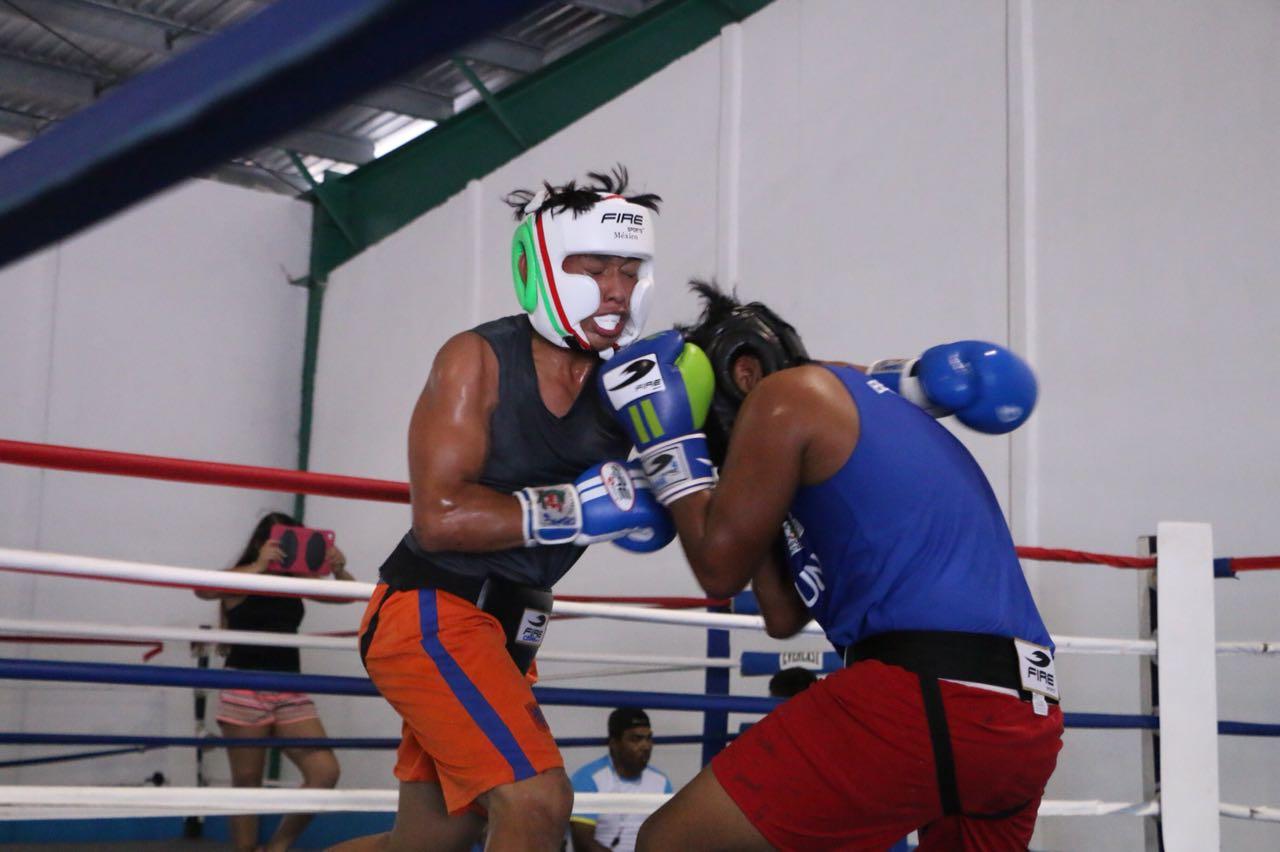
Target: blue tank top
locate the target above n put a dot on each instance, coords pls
(907, 535)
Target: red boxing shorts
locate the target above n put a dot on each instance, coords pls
(848, 764)
(471, 722)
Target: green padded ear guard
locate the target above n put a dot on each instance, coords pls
(523, 245)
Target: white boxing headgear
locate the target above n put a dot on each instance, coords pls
(557, 301)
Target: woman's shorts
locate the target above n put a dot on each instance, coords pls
(250, 707)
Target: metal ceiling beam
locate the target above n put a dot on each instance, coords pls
(88, 19)
(253, 177)
(291, 63)
(17, 125)
(616, 8)
(161, 38)
(46, 82)
(331, 146)
(408, 100)
(394, 190)
(505, 53)
(40, 81)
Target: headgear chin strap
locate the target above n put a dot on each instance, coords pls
(557, 301)
(750, 329)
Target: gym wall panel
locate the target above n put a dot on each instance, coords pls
(1157, 225)
(864, 267)
(873, 179)
(170, 329)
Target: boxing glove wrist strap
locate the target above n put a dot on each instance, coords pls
(552, 514)
(678, 467)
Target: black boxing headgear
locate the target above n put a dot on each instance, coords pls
(751, 329)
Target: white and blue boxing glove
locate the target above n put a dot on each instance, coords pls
(987, 387)
(609, 502)
(659, 389)
(657, 535)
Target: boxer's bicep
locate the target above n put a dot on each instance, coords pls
(448, 444)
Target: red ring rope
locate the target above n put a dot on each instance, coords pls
(660, 602)
(1255, 563)
(209, 473)
(335, 485)
(153, 647)
(1053, 554)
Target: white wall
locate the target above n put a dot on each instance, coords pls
(1092, 182)
(756, 191)
(1157, 221)
(170, 330)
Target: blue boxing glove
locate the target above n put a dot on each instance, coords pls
(659, 389)
(986, 386)
(608, 502)
(651, 538)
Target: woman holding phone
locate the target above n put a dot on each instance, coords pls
(252, 714)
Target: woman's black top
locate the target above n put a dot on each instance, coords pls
(271, 614)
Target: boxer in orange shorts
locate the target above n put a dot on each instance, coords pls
(498, 444)
(470, 718)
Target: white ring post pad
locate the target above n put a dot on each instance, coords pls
(1188, 685)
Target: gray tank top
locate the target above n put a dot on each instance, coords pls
(528, 445)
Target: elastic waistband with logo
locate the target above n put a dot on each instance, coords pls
(949, 655)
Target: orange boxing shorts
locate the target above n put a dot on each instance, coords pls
(471, 722)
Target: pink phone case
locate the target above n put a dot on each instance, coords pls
(304, 550)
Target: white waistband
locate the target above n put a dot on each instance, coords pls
(1004, 690)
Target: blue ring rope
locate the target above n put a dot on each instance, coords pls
(140, 675)
(58, 670)
(139, 742)
(67, 758)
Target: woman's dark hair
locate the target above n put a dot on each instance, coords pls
(261, 533)
(580, 199)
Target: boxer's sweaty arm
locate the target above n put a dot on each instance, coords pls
(448, 444)
(797, 427)
(784, 612)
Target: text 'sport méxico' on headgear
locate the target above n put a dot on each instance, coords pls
(557, 301)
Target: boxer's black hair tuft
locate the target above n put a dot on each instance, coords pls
(579, 199)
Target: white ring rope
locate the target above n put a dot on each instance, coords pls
(1258, 812)
(169, 575)
(1092, 645)
(87, 630)
(32, 802)
(24, 802)
(138, 572)
(90, 802)
(37, 562)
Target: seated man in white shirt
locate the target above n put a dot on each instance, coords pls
(625, 769)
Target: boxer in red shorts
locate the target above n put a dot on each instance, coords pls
(945, 718)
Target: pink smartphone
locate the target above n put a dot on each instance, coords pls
(304, 550)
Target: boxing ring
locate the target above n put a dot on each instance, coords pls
(295, 60)
(1183, 570)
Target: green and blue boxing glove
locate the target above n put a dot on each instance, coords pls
(659, 389)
